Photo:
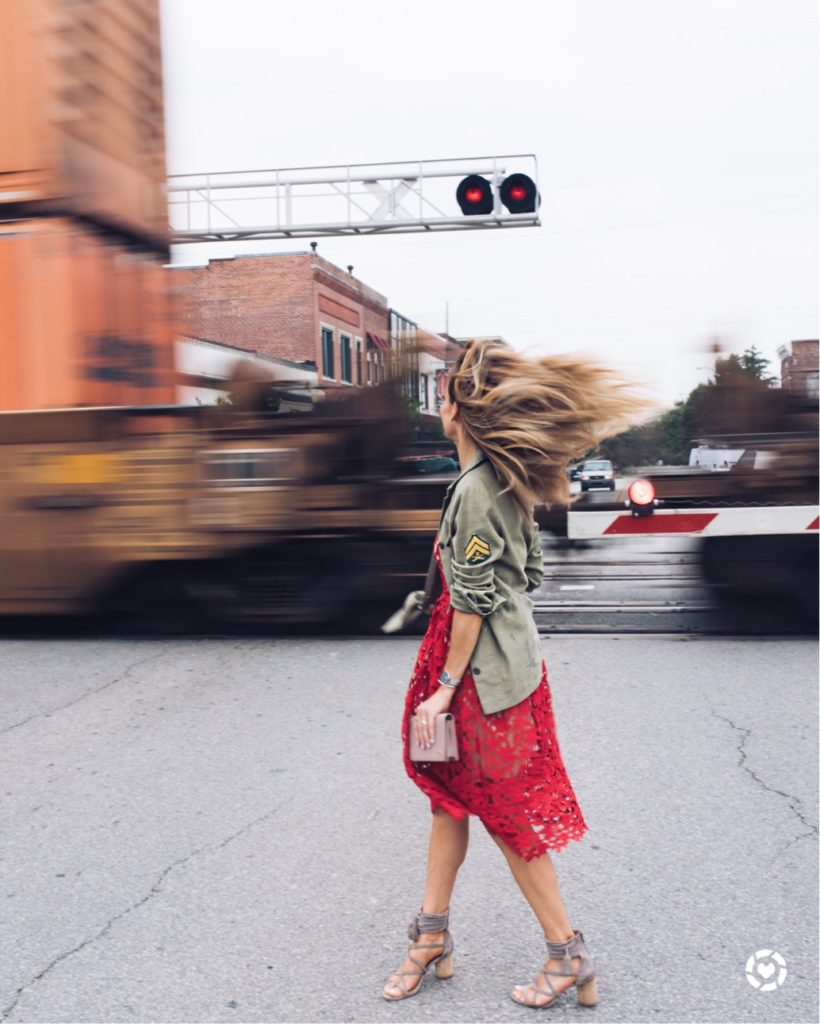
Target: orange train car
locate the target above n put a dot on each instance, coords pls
(82, 119)
(84, 320)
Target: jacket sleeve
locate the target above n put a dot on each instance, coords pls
(477, 543)
(535, 559)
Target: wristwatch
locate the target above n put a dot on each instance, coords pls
(447, 680)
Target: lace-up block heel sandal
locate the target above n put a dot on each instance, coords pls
(424, 924)
(585, 976)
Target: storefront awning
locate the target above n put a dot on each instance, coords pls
(374, 341)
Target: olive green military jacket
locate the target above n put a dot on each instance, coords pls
(491, 558)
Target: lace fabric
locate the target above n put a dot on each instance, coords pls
(510, 773)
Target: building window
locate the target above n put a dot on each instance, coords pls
(347, 369)
(369, 367)
(327, 353)
(359, 361)
(423, 400)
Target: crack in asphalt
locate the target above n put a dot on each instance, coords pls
(154, 891)
(793, 800)
(88, 693)
(112, 682)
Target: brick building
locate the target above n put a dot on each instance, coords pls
(799, 367)
(296, 306)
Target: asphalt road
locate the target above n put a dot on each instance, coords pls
(220, 829)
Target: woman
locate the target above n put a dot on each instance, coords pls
(516, 423)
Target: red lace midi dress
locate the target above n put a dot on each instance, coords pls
(509, 771)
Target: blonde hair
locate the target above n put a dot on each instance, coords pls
(533, 416)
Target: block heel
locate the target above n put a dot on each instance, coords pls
(588, 993)
(444, 967)
(584, 976)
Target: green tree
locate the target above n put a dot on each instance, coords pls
(731, 401)
(638, 446)
(674, 445)
(700, 412)
(755, 364)
(734, 401)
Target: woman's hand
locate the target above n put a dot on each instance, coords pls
(424, 719)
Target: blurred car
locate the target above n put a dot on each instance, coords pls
(597, 473)
(574, 472)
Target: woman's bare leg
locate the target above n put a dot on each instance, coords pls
(446, 852)
(539, 884)
(445, 855)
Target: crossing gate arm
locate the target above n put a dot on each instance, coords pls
(702, 522)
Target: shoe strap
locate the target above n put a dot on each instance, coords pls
(564, 951)
(552, 995)
(428, 923)
(422, 967)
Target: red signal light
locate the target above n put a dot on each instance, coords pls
(519, 194)
(474, 196)
(641, 493)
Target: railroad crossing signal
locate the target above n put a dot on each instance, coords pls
(355, 199)
(517, 192)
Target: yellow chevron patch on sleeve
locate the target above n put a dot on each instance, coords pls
(477, 550)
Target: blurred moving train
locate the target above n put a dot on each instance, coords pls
(256, 513)
(227, 514)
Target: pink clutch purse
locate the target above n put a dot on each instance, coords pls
(444, 748)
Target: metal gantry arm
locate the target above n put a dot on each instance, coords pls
(355, 199)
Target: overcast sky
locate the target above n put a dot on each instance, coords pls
(676, 145)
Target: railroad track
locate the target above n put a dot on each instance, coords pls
(605, 617)
(652, 596)
(627, 597)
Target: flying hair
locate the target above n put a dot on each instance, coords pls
(533, 416)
